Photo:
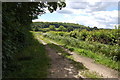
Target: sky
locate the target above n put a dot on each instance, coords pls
(99, 13)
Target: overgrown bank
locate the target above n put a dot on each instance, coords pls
(32, 61)
(101, 53)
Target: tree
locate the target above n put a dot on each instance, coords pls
(95, 28)
(61, 28)
(115, 27)
(69, 29)
(52, 27)
(16, 20)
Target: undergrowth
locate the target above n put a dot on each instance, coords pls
(31, 62)
(79, 66)
(101, 53)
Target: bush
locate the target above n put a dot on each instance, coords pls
(71, 49)
(108, 50)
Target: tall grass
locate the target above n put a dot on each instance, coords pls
(102, 53)
(102, 59)
(108, 50)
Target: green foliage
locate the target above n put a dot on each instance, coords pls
(61, 28)
(103, 36)
(68, 26)
(71, 49)
(52, 27)
(35, 28)
(32, 61)
(110, 51)
(95, 28)
(16, 20)
(93, 75)
(69, 29)
(100, 58)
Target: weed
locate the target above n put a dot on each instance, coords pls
(91, 74)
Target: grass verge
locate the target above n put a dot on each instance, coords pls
(99, 52)
(77, 65)
(32, 62)
(99, 58)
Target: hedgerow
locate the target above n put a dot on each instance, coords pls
(108, 50)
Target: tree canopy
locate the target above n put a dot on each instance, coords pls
(52, 27)
(61, 28)
(16, 20)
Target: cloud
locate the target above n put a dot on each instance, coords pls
(101, 14)
(102, 19)
(65, 11)
(106, 17)
(77, 1)
(92, 6)
(78, 5)
(66, 16)
(103, 6)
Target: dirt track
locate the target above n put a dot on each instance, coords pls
(61, 68)
(92, 66)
